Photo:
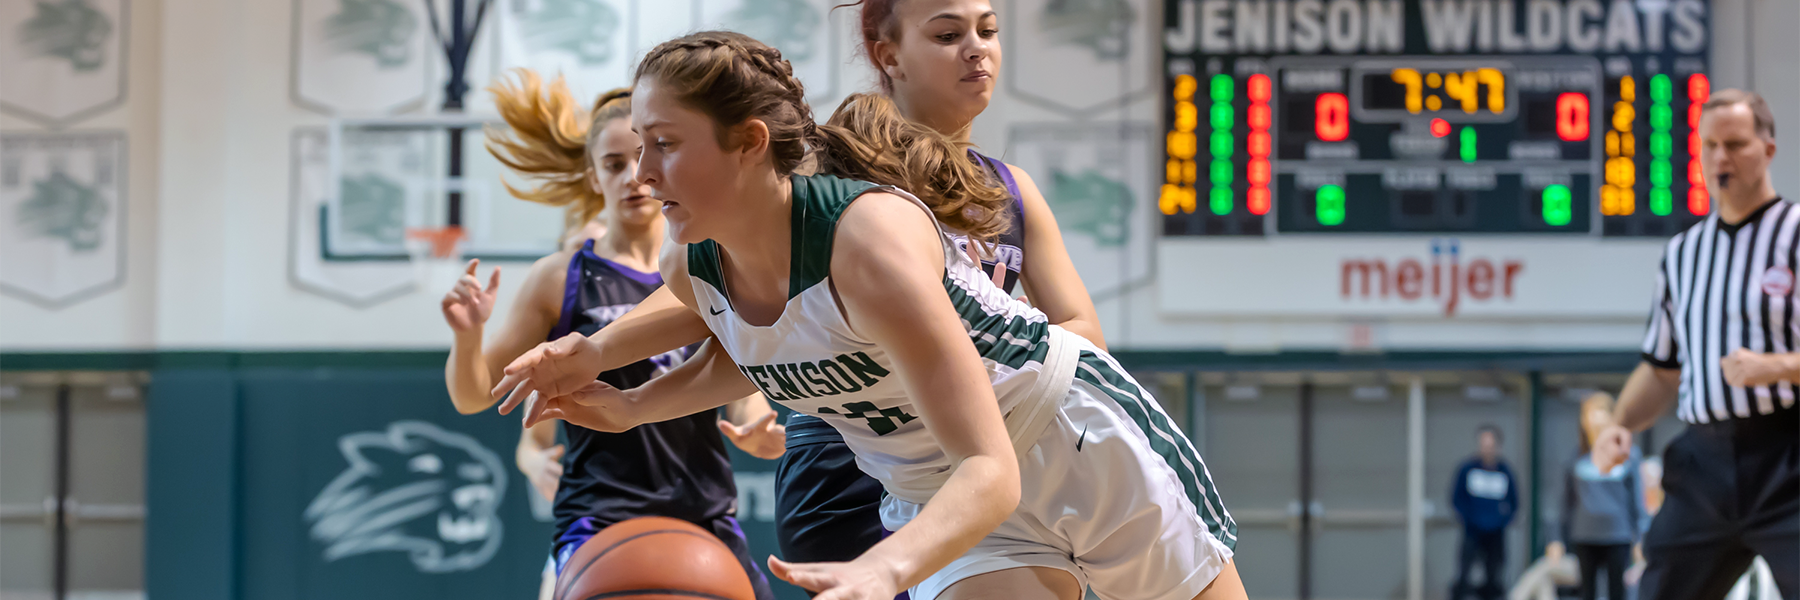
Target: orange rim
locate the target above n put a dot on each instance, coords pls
(443, 239)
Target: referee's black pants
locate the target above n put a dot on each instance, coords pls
(1731, 492)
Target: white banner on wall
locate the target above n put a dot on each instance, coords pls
(360, 56)
(1079, 58)
(1424, 277)
(1096, 179)
(377, 217)
(801, 29)
(64, 61)
(62, 216)
(588, 42)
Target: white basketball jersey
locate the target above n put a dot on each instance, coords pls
(811, 361)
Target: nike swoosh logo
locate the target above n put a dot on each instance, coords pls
(715, 312)
(1082, 439)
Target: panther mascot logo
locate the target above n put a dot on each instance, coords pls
(70, 30)
(414, 488)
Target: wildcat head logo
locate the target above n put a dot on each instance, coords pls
(583, 28)
(414, 488)
(380, 29)
(374, 208)
(70, 30)
(62, 208)
(1091, 203)
(1103, 26)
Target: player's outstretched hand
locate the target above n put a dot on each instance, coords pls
(551, 369)
(762, 438)
(542, 468)
(467, 306)
(1612, 447)
(594, 406)
(852, 580)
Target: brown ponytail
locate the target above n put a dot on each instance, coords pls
(732, 78)
(549, 140)
(868, 139)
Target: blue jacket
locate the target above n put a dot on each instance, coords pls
(1485, 499)
(1603, 508)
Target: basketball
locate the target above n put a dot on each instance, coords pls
(654, 558)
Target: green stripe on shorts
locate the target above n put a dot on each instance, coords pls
(1177, 454)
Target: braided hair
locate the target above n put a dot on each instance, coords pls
(549, 139)
(732, 78)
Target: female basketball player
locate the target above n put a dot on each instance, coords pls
(864, 312)
(676, 468)
(946, 64)
(938, 60)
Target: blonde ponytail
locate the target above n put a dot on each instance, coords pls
(549, 139)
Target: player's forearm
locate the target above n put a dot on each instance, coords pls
(658, 324)
(747, 409)
(466, 374)
(532, 443)
(1648, 393)
(1087, 326)
(707, 381)
(976, 499)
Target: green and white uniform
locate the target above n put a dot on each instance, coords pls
(1112, 491)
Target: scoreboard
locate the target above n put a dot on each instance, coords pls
(1559, 117)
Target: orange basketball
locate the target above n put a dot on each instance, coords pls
(653, 558)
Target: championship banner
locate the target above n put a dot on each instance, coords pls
(63, 60)
(1096, 178)
(372, 215)
(801, 29)
(360, 56)
(588, 42)
(62, 237)
(1079, 58)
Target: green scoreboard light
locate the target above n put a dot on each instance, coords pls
(1390, 116)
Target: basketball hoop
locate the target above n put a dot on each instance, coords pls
(436, 254)
(443, 242)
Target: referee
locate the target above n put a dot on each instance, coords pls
(1723, 342)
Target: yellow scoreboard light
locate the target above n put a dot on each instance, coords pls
(1426, 93)
(1180, 171)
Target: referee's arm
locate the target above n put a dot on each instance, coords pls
(1653, 386)
(1656, 383)
(1649, 393)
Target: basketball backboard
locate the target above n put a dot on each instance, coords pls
(389, 175)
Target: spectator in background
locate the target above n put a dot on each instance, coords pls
(1486, 498)
(1604, 513)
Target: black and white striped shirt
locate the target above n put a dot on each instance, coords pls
(1723, 287)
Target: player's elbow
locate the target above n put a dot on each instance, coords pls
(1000, 476)
(469, 406)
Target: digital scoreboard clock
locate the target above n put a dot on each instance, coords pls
(1435, 116)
